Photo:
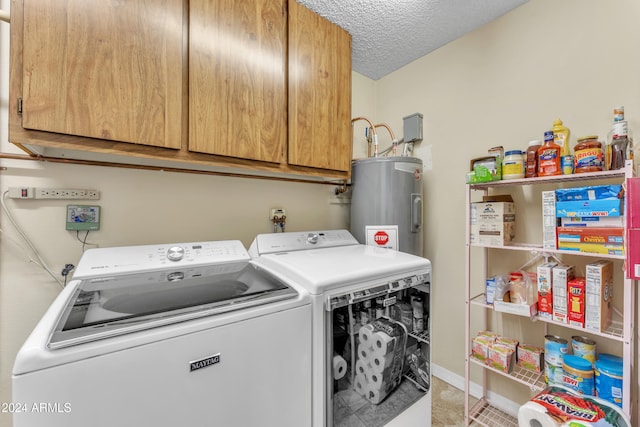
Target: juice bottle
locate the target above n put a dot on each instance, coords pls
(561, 137)
(549, 157)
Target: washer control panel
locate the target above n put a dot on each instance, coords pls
(127, 259)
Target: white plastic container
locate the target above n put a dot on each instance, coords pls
(513, 165)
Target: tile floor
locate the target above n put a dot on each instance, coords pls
(447, 405)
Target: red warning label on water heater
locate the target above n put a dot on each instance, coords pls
(382, 236)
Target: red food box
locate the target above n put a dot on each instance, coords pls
(576, 290)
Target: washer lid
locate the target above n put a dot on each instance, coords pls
(321, 270)
(112, 305)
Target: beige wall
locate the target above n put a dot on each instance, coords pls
(501, 85)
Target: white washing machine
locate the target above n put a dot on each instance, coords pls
(190, 334)
(362, 296)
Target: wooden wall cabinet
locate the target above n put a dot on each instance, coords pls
(261, 86)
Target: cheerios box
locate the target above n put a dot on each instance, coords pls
(492, 221)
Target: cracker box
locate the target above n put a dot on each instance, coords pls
(576, 293)
(599, 295)
(562, 274)
(493, 221)
(545, 290)
(549, 220)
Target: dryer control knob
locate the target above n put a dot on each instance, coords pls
(175, 253)
(312, 238)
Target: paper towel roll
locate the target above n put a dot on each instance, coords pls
(366, 334)
(379, 362)
(383, 343)
(339, 366)
(533, 414)
(360, 385)
(363, 368)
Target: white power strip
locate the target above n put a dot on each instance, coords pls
(53, 193)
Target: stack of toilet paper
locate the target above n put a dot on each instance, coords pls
(559, 406)
(380, 357)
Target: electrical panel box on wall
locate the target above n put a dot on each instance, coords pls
(412, 128)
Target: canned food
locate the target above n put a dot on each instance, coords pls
(609, 381)
(584, 347)
(566, 163)
(552, 374)
(554, 349)
(578, 375)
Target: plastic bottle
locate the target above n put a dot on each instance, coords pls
(619, 146)
(549, 157)
(513, 165)
(561, 137)
(531, 169)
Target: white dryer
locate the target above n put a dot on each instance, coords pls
(189, 334)
(360, 293)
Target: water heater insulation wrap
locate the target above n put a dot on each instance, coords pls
(388, 191)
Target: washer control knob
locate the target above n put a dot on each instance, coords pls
(175, 253)
(312, 238)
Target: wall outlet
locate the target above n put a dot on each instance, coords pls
(66, 193)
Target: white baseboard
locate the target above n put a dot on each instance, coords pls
(475, 390)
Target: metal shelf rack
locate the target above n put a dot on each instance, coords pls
(483, 413)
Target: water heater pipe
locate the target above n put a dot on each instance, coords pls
(373, 130)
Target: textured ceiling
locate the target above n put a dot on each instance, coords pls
(387, 35)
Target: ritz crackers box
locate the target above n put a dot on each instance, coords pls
(576, 293)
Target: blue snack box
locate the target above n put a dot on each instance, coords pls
(583, 208)
(593, 192)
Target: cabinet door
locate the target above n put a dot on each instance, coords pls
(237, 92)
(105, 69)
(319, 91)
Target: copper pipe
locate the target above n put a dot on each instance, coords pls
(373, 131)
(384, 125)
(40, 158)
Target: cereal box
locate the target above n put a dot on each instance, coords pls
(599, 295)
